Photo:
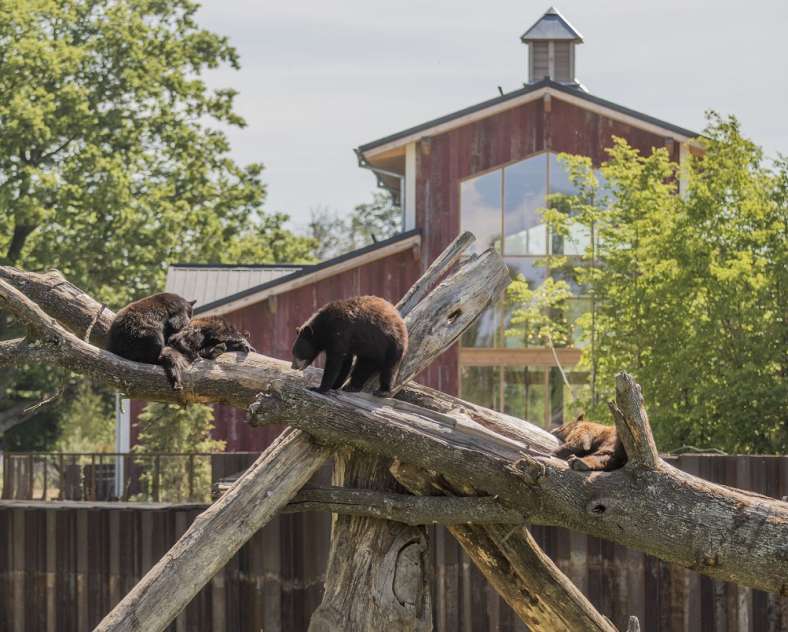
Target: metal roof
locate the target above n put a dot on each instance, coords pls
(209, 283)
(552, 26)
(515, 94)
(298, 274)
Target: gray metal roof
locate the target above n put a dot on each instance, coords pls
(211, 283)
(552, 26)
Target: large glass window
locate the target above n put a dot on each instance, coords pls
(480, 209)
(503, 208)
(524, 194)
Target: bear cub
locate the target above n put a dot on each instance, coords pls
(209, 338)
(206, 338)
(590, 446)
(367, 328)
(140, 331)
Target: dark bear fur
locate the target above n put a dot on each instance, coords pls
(140, 331)
(367, 328)
(590, 446)
(209, 338)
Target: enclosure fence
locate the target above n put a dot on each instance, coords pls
(63, 565)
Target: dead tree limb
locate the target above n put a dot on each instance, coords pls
(378, 572)
(217, 534)
(515, 565)
(718, 531)
(405, 508)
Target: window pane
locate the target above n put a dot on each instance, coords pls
(481, 385)
(577, 308)
(480, 209)
(484, 330)
(525, 185)
(518, 333)
(579, 237)
(524, 393)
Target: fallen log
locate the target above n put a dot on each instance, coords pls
(715, 530)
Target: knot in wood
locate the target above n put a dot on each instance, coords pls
(528, 468)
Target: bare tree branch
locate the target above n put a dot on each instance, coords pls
(662, 511)
(405, 508)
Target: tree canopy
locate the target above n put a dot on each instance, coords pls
(113, 162)
(690, 290)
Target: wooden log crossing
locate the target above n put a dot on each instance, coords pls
(460, 449)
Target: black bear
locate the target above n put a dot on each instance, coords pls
(209, 338)
(140, 331)
(590, 446)
(367, 328)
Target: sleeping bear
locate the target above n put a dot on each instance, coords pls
(590, 446)
(140, 331)
(367, 328)
(208, 338)
(202, 338)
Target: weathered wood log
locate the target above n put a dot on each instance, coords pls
(405, 508)
(718, 531)
(359, 592)
(515, 565)
(217, 534)
(62, 300)
(629, 505)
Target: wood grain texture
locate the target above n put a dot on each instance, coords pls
(724, 533)
(217, 534)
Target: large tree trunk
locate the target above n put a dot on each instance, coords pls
(378, 573)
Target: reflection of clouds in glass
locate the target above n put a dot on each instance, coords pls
(525, 188)
(480, 202)
(579, 237)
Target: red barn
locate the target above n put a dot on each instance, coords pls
(487, 168)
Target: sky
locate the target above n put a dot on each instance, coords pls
(319, 78)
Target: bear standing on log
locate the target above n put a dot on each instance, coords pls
(367, 328)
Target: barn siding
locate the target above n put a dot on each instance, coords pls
(63, 566)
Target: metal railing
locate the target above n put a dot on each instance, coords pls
(156, 477)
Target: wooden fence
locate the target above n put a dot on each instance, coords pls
(167, 477)
(64, 564)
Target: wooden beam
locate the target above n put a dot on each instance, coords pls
(217, 534)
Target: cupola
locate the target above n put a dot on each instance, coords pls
(551, 48)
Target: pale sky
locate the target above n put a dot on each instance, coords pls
(319, 78)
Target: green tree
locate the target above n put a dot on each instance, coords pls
(333, 234)
(113, 162)
(170, 428)
(88, 422)
(689, 291)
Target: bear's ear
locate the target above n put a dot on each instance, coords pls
(581, 417)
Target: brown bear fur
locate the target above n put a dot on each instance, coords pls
(367, 328)
(140, 330)
(202, 338)
(209, 338)
(590, 446)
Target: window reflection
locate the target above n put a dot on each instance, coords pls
(524, 195)
(534, 274)
(481, 385)
(578, 238)
(480, 209)
(524, 393)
